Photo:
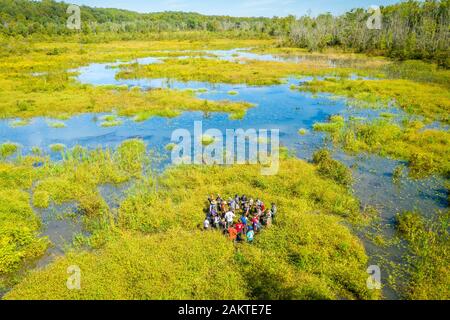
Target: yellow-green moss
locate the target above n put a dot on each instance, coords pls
(8, 149)
(172, 265)
(427, 99)
(427, 150)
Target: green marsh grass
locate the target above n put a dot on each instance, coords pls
(112, 123)
(56, 124)
(302, 131)
(252, 72)
(164, 266)
(207, 140)
(427, 150)
(8, 149)
(333, 169)
(57, 147)
(430, 100)
(54, 93)
(19, 226)
(298, 191)
(307, 254)
(140, 250)
(74, 179)
(19, 123)
(110, 117)
(428, 255)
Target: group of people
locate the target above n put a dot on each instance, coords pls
(239, 217)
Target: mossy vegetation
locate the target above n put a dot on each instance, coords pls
(207, 140)
(8, 149)
(57, 147)
(56, 124)
(252, 72)
(331, 168)
(150, 246)
(111, 123)
(171, 265)
(428, 256)
(302, 131)
(430, 100)
(19, 225)
(427, 150)
(44, 87)
(297, 265)
(19, 123)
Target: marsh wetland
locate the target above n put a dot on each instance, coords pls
(86, 177)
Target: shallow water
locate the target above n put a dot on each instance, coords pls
(277, 107)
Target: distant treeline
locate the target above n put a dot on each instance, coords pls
(409, 30)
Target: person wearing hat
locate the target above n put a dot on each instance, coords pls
(213, 206)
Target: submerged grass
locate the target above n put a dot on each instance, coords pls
(56, 124)
(57, 147)
(19, 123)
(111, 123)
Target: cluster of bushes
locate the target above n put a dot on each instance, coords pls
(333, 169)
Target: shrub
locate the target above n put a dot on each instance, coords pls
(331, 168)
(409, 224)
(8, 149)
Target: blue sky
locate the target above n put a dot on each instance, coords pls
(267, 8)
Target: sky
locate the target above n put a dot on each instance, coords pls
(238, 8)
